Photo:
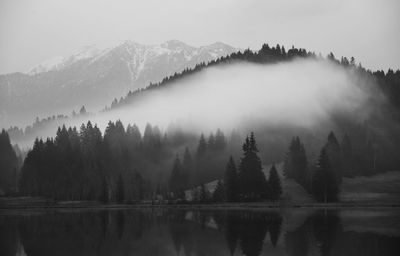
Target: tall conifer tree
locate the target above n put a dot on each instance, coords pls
(274, 184)
(253, 185)
(231, 181)
(325, 186)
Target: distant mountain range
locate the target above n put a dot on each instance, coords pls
(93, 77)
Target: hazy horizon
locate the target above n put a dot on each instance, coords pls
(34, 31)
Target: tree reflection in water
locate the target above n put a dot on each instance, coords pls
(186, 233)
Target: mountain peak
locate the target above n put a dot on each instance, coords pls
(59, 62)
(133, 48)
(92, 75)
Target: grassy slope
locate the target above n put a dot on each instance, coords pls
(383, 188)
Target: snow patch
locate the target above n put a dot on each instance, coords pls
(47, 65)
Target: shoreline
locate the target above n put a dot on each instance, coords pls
(207, 206)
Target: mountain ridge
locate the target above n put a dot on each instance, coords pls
(92, 76)
(95, 53)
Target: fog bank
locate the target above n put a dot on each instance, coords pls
(301, 93)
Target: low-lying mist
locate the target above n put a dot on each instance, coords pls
(302, 93)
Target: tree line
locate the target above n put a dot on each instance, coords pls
(9, 165)
(124, 165)
(388, 82)
(18, 134)
(84, 165)
(245, 183)
(336, 160)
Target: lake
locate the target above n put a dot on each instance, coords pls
(162, 231)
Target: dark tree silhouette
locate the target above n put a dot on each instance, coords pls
(187, 169)
(8, 164)
(274, 227)
(274, 184)
(253, 185)
(324, 182)
(231, 231)
(202, 147)
(175, 181)
(347, 157)
(333, 152)
(211, 142)
(295, 164)
(220, 141)
(231, 181)
(252, 228)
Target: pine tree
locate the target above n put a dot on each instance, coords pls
(333, 152)
(211, 142)
(231, 181)
(202, 163)
(325, 186)
(175, 182)
(82, 111)
(187, 169)
(30, 176)
(156, 137)
(8, 163)
(302, 165)
(347, 157)
(274, 184)
(134, 135)
(148, 138)
(295, 164)
(220, 141)
(253, 185)
(202, 147)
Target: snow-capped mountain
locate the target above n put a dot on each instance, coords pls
(59, 62)
(93, 77)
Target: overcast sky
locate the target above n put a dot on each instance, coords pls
(32, 31)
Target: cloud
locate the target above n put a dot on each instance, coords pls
(300, 93)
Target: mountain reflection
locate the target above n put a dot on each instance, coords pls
(188, 233)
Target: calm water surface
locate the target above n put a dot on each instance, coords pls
(191, 232)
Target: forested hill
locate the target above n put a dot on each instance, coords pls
(388, 81)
